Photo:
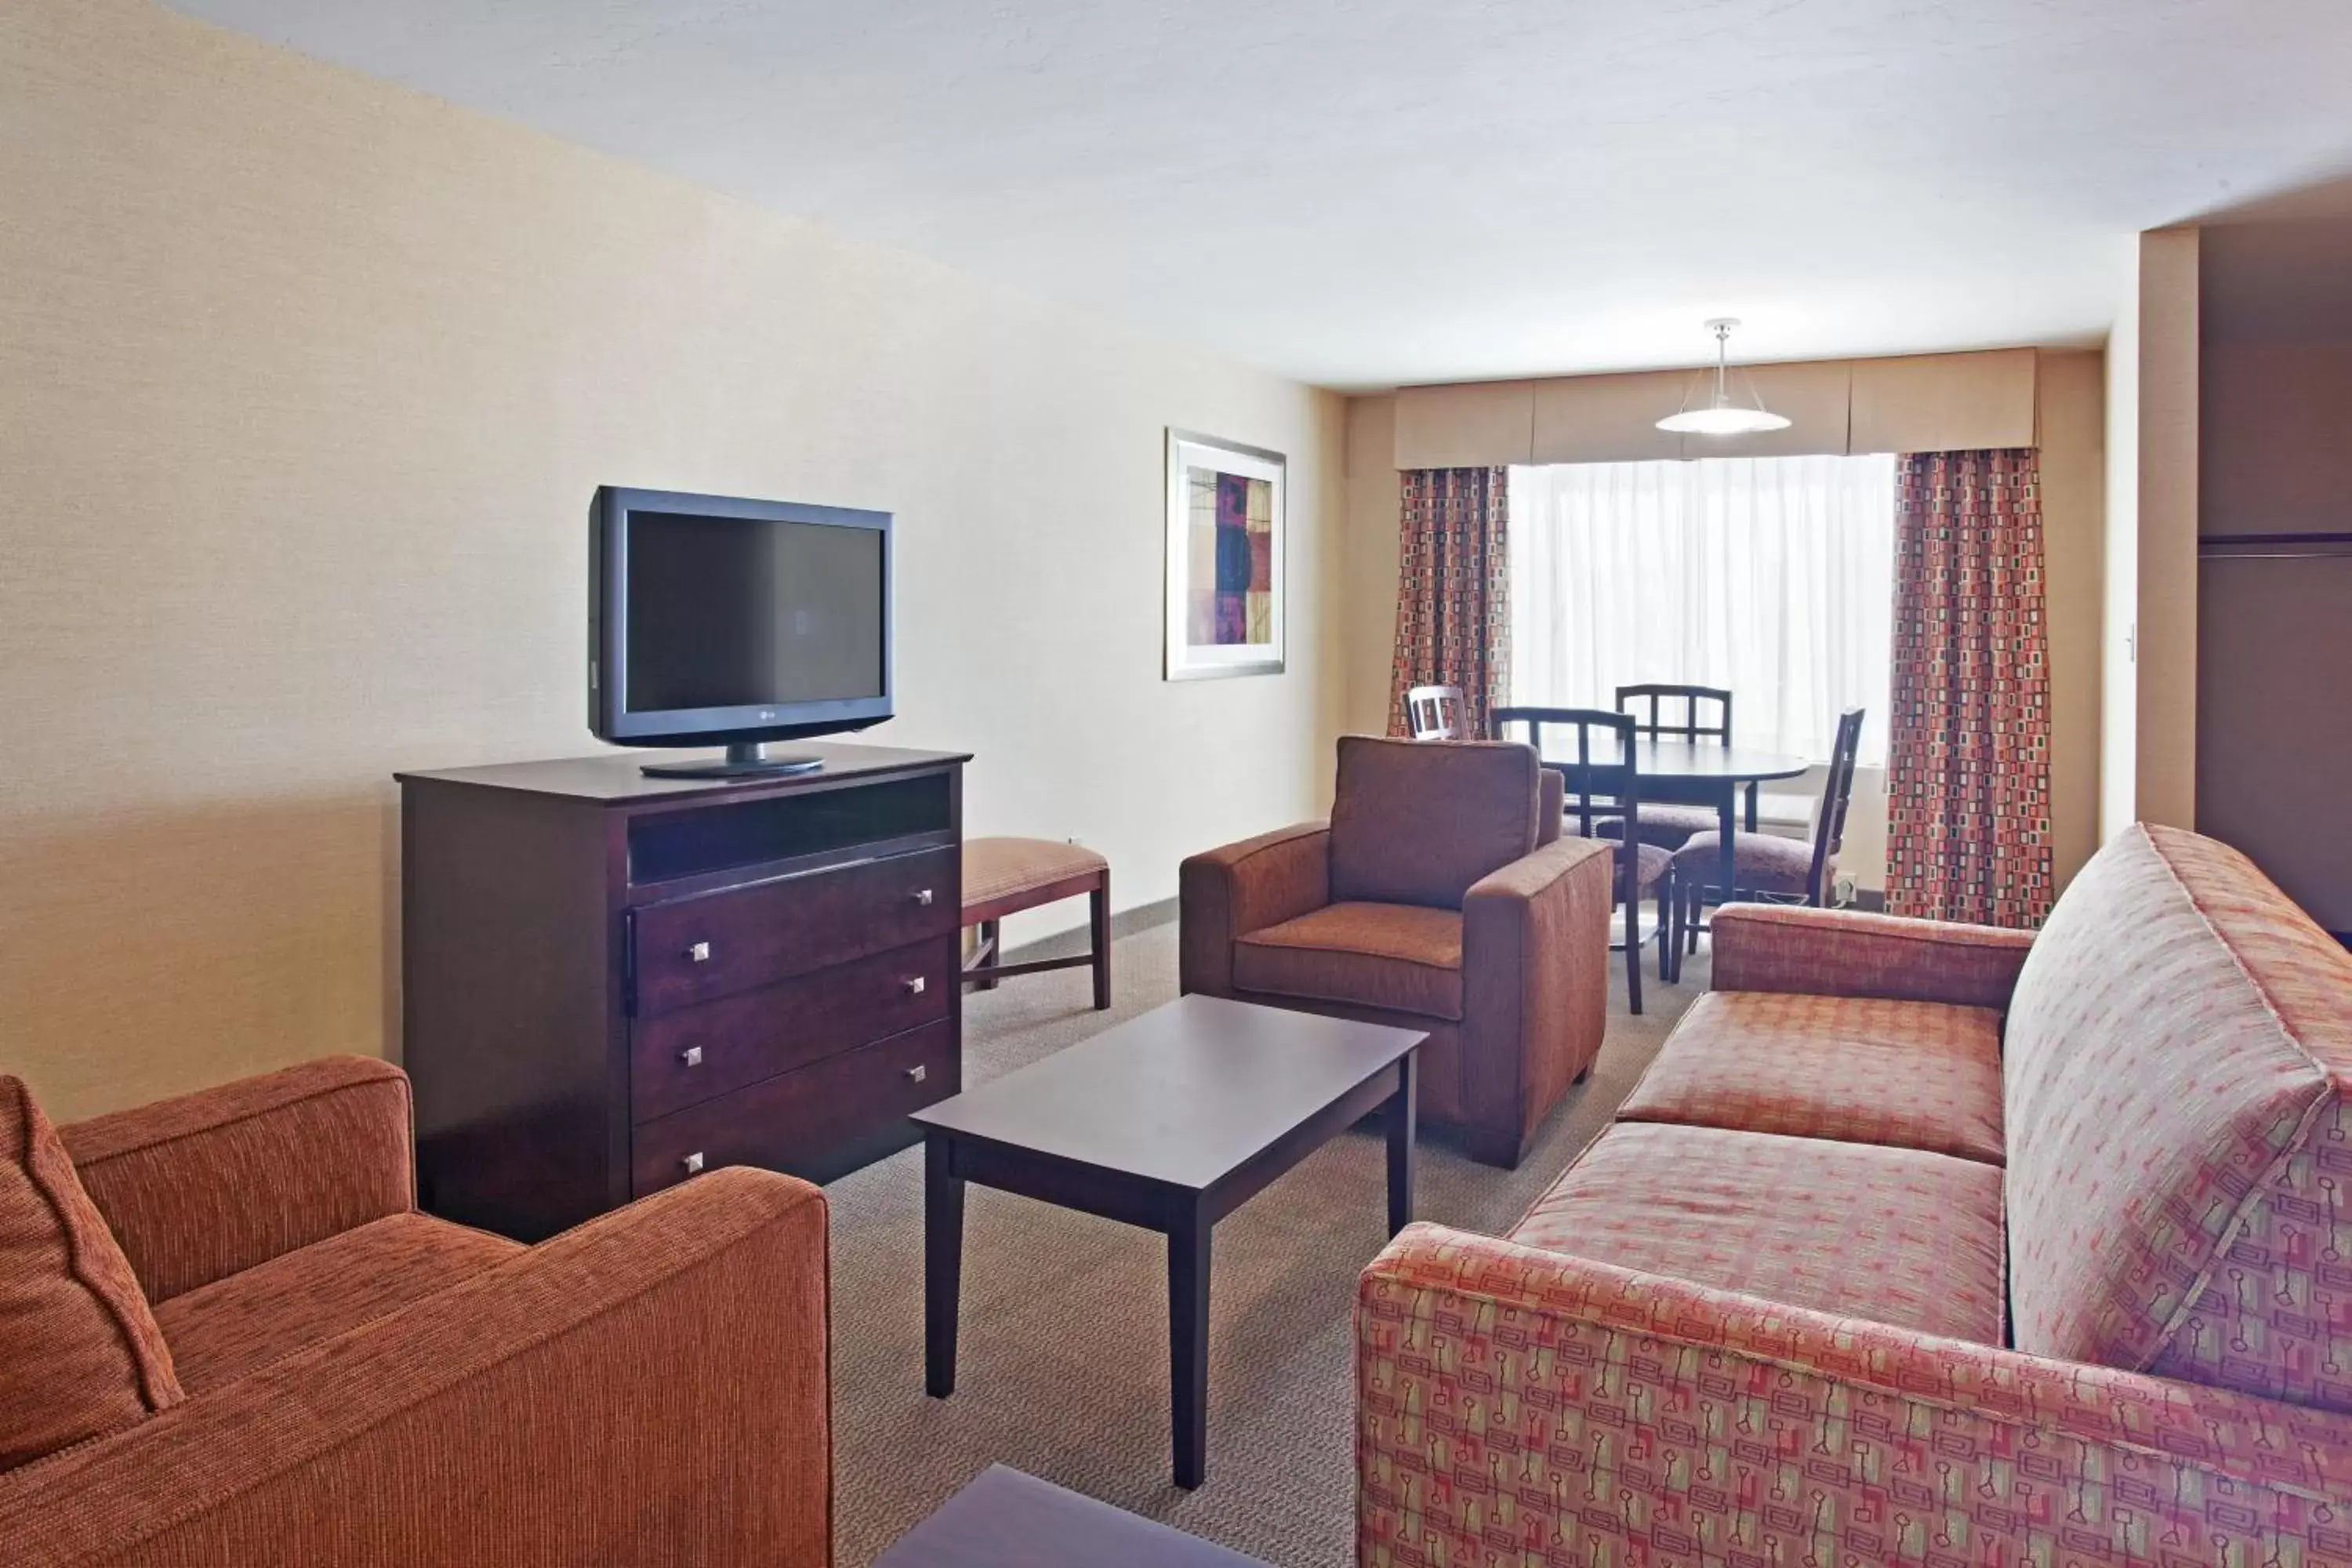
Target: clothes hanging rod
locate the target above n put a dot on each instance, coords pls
(2275, 546)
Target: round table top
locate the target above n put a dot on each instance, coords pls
(1702, 760)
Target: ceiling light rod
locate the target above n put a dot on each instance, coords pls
(1722, 417)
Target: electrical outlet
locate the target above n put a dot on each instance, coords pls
(1844, 890)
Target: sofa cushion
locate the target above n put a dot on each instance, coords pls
(2179, 1104)
(1406, 957)
(1417, 824)
(81, 1354)
(1894, 1235)
(1910, 1075)
(220, 1332)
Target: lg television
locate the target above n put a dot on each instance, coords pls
(714, 620)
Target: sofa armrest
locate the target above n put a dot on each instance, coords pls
(210, 1184)
(1515, 1401)
(648, 1387)
(1225, 894)
(1534, 981)
(1846, 953)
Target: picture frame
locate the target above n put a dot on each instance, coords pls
(1227, 532)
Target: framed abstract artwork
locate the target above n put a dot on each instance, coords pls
(1225, 534)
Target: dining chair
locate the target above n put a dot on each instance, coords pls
(1436, 713)
(1704, 714)
(1767, 867)
(1596, 793)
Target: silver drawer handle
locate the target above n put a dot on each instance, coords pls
(693, 1163)
(923, 897)
(698, 954)
(914, 986)
(691, 1056)
(914, 1075)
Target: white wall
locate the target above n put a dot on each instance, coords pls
(2165, 695)
(305, 382)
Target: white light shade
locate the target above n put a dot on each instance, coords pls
(1727, 419)
(1722, 417)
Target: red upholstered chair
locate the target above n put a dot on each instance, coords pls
(1440, 897)
(325, 1374)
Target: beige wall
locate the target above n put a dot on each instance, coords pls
(2068, 388)
(2119, 629)
(2165, 699)
(2072, 388)
(305, 382)
(1368, 608)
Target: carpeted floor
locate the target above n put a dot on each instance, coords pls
(1063, 1364)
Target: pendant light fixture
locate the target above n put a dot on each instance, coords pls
(1720, 415)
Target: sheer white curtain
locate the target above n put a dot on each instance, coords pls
(1772, 576)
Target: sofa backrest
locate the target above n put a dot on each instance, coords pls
(1419, 822)
(2178, 1084)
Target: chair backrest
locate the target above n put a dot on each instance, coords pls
(1436, 713)
(1704, 710)
(1418, 825)
(1599, 779)
(1837, 793)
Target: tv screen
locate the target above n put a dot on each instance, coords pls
(727, 611)
(718, 620)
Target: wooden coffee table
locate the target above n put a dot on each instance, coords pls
(1169, 1121)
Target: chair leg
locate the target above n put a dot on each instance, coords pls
(1099, 920)
(1632, 905)
(1667, 971)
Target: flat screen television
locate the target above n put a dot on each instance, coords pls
(714, 620)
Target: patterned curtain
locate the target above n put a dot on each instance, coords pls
(1453, 590)
(1968, 772)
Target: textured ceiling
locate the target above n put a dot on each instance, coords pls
(1368, 191)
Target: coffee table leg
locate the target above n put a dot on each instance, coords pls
(1188, 1348)
(1400, 1129)
(942, 1265)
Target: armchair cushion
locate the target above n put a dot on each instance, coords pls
(1418, 824)
(79, 1351)
(1404, 957)
(221, 1331)
(1909, 1075)
(1893, 1236)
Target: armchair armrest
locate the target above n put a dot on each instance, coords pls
(1514, 1401)
(1846, 953)
(648, 1387)
(1535, 982)
(210, 1184)
(1226, 893)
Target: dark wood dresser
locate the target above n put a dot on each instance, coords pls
(612, 982)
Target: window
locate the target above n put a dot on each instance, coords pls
(1772, 576)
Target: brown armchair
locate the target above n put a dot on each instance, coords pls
(362, 1383)
(1440, 897)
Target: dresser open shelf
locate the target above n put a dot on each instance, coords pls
(612, 982)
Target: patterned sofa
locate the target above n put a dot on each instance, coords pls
(1917, 1244)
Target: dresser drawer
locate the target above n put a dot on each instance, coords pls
(698, 1053)
(793, 1121)
(719, 944)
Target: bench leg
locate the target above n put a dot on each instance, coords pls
(988, 944)
(1098, 918)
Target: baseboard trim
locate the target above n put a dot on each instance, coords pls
(1071, 943)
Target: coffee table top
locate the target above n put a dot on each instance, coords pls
(1185, 1094)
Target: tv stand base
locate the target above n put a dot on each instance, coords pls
(743, 760)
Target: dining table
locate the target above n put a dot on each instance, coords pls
(1709, 773)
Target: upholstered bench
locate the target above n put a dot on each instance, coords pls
(1004, 875)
